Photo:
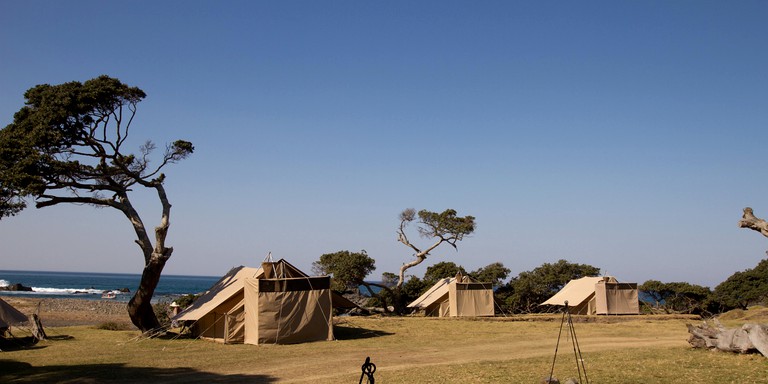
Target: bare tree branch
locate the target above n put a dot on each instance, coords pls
(748, 220)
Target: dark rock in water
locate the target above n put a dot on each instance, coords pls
(18, 287)
(124, 290)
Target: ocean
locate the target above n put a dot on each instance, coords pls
(91, 286)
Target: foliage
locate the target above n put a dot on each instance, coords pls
(445, 225)
(162, 311)
(66, 145)
(441, 270)
(494, 273)
(743, 289)
(678, 297)
(389, 279)
(525, 293)
(113, 326)
(186, 300)
(348, 269)
(59, 142)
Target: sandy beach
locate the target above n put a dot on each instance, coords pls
(55, 312)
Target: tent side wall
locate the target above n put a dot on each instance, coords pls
(586, 307)
(214, 324)
(234, 323)
(617, 298)
(439, 308)
(287, 311)
(471, 299)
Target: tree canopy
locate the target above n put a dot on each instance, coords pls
(348, 269)
(441, 270)
(678, 297)
(66, 145)
(743, 289)
(494, 273)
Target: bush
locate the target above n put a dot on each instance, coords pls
(113, 326)
(162, 312)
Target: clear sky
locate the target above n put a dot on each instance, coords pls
(625, 135)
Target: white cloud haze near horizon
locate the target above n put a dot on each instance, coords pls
(627, 136)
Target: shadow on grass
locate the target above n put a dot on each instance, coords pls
(18, 343)
(342, 332)
(20, 372)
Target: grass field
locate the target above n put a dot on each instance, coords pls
(405, 350)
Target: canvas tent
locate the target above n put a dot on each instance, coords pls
(598, 296)
(10, 316)
(456, 297)
(276, 303)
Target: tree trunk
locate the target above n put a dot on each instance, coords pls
(749, 338)
(140, 306)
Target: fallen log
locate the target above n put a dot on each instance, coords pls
(750, 338)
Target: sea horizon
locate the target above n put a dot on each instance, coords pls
(94, 285)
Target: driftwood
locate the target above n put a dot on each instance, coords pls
(748, 220)
(750, 338)
(37, 328)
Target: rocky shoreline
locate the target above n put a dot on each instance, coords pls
(55, 312)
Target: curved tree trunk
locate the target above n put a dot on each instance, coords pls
(140, 306)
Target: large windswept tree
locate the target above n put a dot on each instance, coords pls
(66, 145)
(445, 227)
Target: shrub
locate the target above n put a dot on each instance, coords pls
(113, 326)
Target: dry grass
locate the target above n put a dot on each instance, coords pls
(739, 317)
(406, 350)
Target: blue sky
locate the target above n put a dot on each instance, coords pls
(624, 135)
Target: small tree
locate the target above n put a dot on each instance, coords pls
(494, 273)
(443, 227)
(66, 145)
(348, 269)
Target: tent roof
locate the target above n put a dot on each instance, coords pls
(231, 284)
(434, 294)
(575, 292)
(10, 316)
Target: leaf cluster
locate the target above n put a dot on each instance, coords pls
(445, 225)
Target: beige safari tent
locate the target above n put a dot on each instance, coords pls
(456, 297)
(598, 296)
(10, 316)
(276, 303)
